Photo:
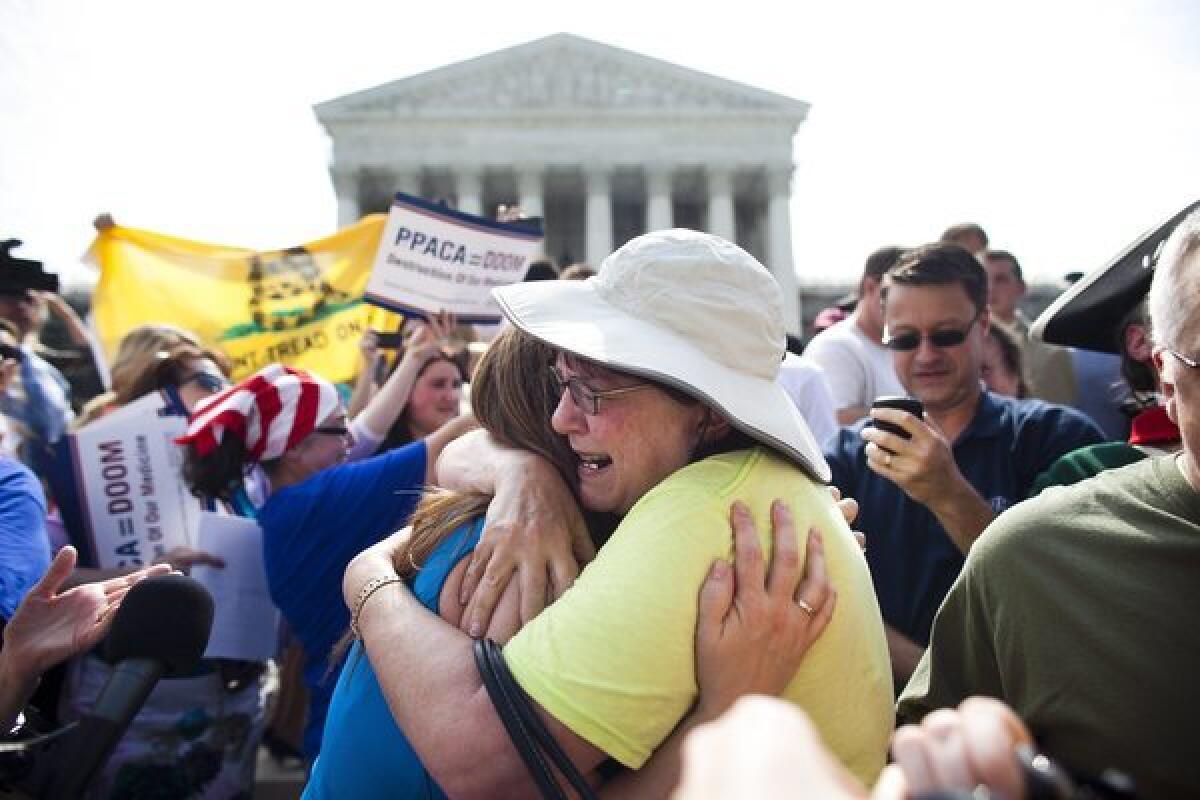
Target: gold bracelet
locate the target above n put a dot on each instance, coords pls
(372, 586)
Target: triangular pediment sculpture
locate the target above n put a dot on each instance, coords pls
(560, 74)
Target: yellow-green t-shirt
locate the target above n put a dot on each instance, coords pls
(614, 658)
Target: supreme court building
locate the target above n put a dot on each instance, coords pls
(603, 143)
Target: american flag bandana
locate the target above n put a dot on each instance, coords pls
(271, 412)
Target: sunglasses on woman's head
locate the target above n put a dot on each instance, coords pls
(941, 339)
(208, 381)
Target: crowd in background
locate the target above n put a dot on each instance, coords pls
(999, 561)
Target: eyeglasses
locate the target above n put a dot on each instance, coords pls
(587, 398)
(1190, 363)
(7, 351)
(206, 380)
(940, 339)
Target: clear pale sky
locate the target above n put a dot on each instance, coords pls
(1064, 127)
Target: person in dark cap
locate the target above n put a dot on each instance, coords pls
(40, 399)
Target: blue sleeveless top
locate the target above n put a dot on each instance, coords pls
(364, 754)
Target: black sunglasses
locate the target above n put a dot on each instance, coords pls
(940, 339)
(8, 351)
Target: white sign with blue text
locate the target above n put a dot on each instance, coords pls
(128, 473)
(433, 258)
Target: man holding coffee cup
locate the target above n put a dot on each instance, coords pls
(930, 485)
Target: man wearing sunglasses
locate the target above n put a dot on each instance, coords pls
(928, 493)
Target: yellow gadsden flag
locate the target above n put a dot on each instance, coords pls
(301, 306)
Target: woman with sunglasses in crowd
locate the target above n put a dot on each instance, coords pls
(196, 735)
(199, 735)
(320, 499)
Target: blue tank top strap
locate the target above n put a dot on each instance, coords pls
(242, 505)
(239, 504)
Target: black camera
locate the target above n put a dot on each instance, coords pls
(22, 274)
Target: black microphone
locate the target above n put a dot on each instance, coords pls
(160, 631)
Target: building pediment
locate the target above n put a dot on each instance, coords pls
(556, 76)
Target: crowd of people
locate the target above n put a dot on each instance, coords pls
(646, 502)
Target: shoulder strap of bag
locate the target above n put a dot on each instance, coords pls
(533, 742)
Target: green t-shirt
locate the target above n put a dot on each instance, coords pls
(1086, 462)
(614, 658)
(1081, 609)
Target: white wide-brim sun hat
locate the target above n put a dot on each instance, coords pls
(688, 310)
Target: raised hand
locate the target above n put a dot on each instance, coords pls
(49, 627)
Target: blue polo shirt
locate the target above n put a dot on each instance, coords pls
(913, 561)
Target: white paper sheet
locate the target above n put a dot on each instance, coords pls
(245, 621)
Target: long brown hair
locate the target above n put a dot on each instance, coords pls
(513, 397)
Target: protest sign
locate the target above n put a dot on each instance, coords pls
(134, 503)
(433, 258)
(301, 306)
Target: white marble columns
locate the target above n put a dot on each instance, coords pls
(779, 243)
(598, 216)
(720, 203)
(345, 185)
(529, 191)
(469, 188)
(408, 181)
(658, 199)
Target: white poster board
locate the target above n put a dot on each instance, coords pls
(245, 621)
(433, 258)
(127, 468)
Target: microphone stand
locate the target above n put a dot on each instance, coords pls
(101, 728)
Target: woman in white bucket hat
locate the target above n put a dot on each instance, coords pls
(667, 360)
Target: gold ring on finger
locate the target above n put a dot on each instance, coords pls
(812, 612)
